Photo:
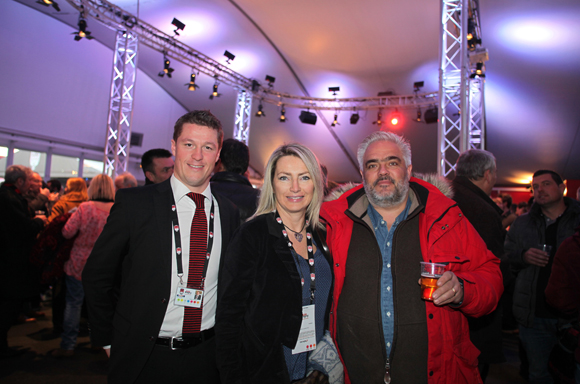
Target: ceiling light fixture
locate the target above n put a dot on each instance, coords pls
(178, 26)
(215, 91)
(418, 118)
(307, 117)
(418, 85)
(334, 90)
(395, 118)
(82, 32)
(379, 121)
(167, 70)
(270, 80)
(335, 121)
(191, 86)
(283, 115)
(354, 118)
(48, 3)
(260, 112)
(431, 115)
(230, 56)
(478, 72)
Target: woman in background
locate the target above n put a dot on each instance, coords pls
(75, 194)
(88, 221)
(274, 273)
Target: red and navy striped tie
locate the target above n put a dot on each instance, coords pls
(197, 254)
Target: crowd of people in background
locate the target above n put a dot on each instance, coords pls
(308, 268)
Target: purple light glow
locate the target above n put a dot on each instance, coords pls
(548, 36)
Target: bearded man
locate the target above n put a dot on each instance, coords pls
(378, 234)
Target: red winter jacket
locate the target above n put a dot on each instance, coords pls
(446, 236)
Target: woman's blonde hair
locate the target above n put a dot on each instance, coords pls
(267, 202)
(102, 188)
(77, 185)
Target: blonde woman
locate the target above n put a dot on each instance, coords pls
(88, 222)
(276, 272)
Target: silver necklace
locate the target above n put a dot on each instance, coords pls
(298, 235)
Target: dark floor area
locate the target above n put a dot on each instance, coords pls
(89, 366)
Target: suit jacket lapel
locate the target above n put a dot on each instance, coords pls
(162, 208)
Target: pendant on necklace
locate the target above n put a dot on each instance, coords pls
(298, 236)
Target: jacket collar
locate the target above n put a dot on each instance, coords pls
(468, 184)
(230, 177)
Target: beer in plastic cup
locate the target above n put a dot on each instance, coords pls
(430, 273)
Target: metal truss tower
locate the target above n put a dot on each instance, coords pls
(461, 112)
(121, 104)
(243, 116)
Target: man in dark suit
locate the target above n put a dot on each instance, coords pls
(229, 179)
(141, 267)
(474, 180)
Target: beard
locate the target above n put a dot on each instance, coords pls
(387, 199)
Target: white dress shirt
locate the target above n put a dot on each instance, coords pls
(173, 321)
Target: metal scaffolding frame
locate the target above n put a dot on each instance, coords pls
(458, 92)
(243, 116)
(461, 106)
(476, 114)
(120, 116)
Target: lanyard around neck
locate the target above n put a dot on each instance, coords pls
(175, 228)
(310, 256)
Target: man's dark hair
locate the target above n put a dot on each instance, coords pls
(54, 185)
(507, 198)
(202, 118)
(555, 176)
(15, 172)
(150, 155)
(235, 156)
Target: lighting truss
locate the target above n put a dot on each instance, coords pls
(121, 104)
(118, 19)
(476, 114)
(454, 101)
(243, 116)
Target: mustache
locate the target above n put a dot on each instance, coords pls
(384, 178)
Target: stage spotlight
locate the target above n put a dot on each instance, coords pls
(308, 117)
(395, 117)
(418, 85)
(215, 91)
(335, 121)
(379, 121)
(354, 118)
(230, 56)
(178, 26)
(260, 112)
(48, 3)
(82, 32)
(191, 86)
(333, 90)
(283, 115)
(478, 71)
(418, 118)
(431, 115)
(270, 80)
(167, 70)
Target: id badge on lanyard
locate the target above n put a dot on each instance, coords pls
(189, 296)
(307, 337)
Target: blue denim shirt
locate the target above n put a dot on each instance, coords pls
(385, 241)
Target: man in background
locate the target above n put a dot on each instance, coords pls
(229, 179)
(157, 165)
(475, 177)
(125, 180)
(551, 219)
